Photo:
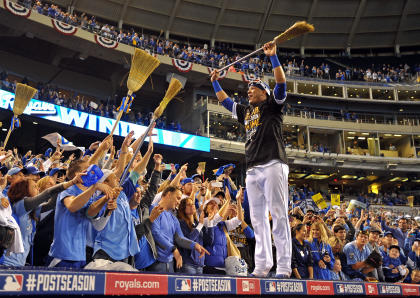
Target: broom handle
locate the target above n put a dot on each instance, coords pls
(146, 133)
(7, 137)
(240, 59)
(120, 114)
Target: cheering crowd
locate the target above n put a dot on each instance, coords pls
(72, 212)
(220, 56)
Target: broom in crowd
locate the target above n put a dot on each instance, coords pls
(23, 95)
(142, 65)
(299, 28)
(173, 89)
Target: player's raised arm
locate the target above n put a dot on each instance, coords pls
(270, 50)
(223, 98)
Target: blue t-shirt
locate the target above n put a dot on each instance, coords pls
(118, 238)
(69, 229)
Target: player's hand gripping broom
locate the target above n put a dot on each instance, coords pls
(296, 30)
(23, 95)
(142, 65)
(173, 89)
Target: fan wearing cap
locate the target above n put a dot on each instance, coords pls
(27, 204)
(70, 221)
(267, 169)
(394, 269)
(117, 240)
(374, 236)
(357, 253)
(33, 173)
(12, 175)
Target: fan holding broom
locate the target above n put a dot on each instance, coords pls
(266, 161)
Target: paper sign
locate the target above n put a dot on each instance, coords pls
(335, 199)
(319, 201)
(202, 166)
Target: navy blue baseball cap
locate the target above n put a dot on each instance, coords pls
(56, 170)
(32, 171)
(387, 233)
(187, 180)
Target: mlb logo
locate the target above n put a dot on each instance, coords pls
(183, 284)
(340, 288)
(270, 286)
(11, 282)
(371, 289)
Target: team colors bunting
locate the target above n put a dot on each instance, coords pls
(106, 42)
(181, 65)
(17, 9)
(222, 73)
(249, 77)
(63, 28)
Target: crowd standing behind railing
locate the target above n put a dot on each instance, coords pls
(219, 57)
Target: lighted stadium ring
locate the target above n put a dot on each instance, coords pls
(17, 9)
(249, 77)
(106, 42)
(181, 65)
(63, 28)
(222, 74)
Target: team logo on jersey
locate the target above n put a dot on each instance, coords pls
(222, 73)
(106, 42)
(63, 28)
(183, 284)
(17, 9)
(181, 65)
(11, 282)
(249, 77)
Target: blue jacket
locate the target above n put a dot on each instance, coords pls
(318, 249)
(301, 257)
(204, 236)
(396, 233)
(413, 261)
(388, 265)
(217, 248)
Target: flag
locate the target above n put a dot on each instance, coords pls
(128, 105)
(319, 201)
(65, 144)
(335, 199)
(15, 123)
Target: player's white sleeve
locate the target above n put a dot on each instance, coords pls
(232, 224)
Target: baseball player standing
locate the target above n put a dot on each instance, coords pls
(267, 169)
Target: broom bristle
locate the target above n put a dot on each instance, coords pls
(296, 30)
(142, 65)
(23, 95)
(173, 89)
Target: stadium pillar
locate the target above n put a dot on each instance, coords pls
(308, 135)
(302, 51)
(397, 50)
(348, 51)
(212, 41)
(167, 34)
(120, 23)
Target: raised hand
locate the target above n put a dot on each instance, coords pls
(155, 213)
(214, 75)
(270, 49)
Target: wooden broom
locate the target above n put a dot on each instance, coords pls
(142, 65)
(295, 30)
(173, 89)
(23, 95)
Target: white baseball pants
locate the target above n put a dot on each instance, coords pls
(268, 190)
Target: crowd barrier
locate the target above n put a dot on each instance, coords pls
(53, 282)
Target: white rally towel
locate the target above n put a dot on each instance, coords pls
(64, 143)
(7, 220)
